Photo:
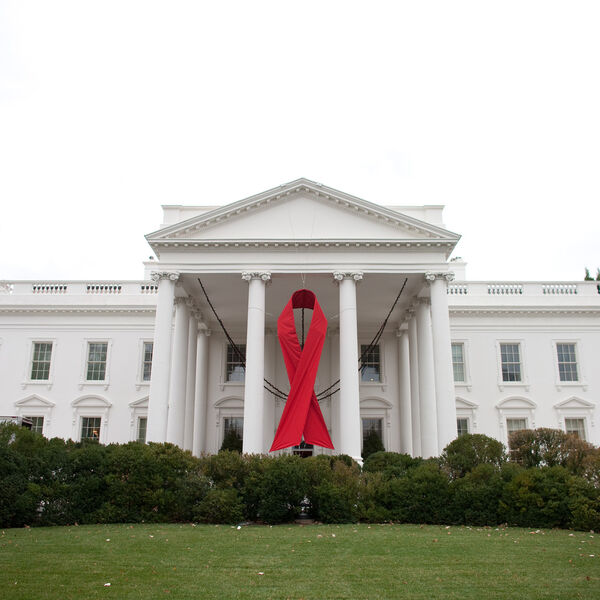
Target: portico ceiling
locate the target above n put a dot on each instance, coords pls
(229, 294)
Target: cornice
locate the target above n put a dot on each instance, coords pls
(280, 244)
(77, 309)
(522, 310)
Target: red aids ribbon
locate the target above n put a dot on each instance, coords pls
(302, 414)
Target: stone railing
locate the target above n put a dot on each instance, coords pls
(531, 288)
(77, 288)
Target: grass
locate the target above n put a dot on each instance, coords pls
(313, 562)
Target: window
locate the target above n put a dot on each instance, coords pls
(371, 364)
(567, 362)
(372, 426)
(235, 364)
(462, 426)
(96, 362)
(142, 423)
(513, 425)
(458, 361)
(37, 424)
(511, 362)
(147, 361)
(90, 428)
(575, 427)
(40, 364)
(233, 425)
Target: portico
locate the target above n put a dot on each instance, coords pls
(251, 256)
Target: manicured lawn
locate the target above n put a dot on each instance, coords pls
(315, 562)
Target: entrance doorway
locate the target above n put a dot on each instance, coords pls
(303, 450)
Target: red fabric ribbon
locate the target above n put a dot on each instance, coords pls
(302, 414)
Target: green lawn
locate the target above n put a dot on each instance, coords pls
(315, 562)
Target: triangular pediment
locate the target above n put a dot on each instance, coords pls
(574, 402)
(34, 401)
(302, 211)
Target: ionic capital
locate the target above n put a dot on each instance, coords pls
(355, 275)
(156, 276)
(430, 276)
(250, 275)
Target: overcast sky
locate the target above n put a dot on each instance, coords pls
(110, 109)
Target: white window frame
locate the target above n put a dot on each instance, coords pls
(37, 406)
(382, 383)
(90, 405)
(377, 408)
(576, 408)
(27, 381)
(585, 428)
(223, 375)
(85, 352)
(137, 410)
(581, 383)
(466, 409)
(230, 406)
(466, 357)
(524, 383)
(140, 382)
(515, 407)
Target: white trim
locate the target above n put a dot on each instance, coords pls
(465, 409)
(374, 407)
(524, 383)
(140, 382)
(27, 381)
(466, 358)
(581, 382)
(36, 406)
(83, 382)
(515, 407)
(382, 383)
(574, 407)
(137, 409)
(229, 406)
(90, 405)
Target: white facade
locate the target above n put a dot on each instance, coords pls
(481, 356)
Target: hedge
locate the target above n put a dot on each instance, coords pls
(57, 482)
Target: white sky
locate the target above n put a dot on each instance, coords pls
(110, 109)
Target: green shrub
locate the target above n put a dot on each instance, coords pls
(232, 442)
(537, 497)
(220, 506)
(475, 498)
(391, 464)
(372, 444)
(545, 447)
(584, 505)
(282, 488)
(470, 450)
(226, 469)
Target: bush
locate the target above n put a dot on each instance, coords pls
(475, 498)
(372, 444)
(282, 488)
(391, 464)
(537, 497)
(470, 450)
(220, 506)
(545, 447)
(226, 469)
(232, 442)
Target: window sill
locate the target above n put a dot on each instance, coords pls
(513, 384)
(37, 382)
(463, 385)
(571, 384)
(95, 384)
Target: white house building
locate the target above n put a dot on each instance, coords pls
(149, 360)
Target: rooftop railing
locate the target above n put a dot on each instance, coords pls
(533, 288)
(78, 288)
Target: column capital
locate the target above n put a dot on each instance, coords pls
(340, 275)
(202, 328)
(430, 276)
(249, 275)
(156, 276)
(181, 300)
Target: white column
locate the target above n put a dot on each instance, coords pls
(271, 347)
(428, 415)
(350, 441)
(404, 391)
(190, 382)
(334, 375)
(442, 355)
(178, 373)
(161, 357)
(201, 395)
(254, 395)
(415, 411)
